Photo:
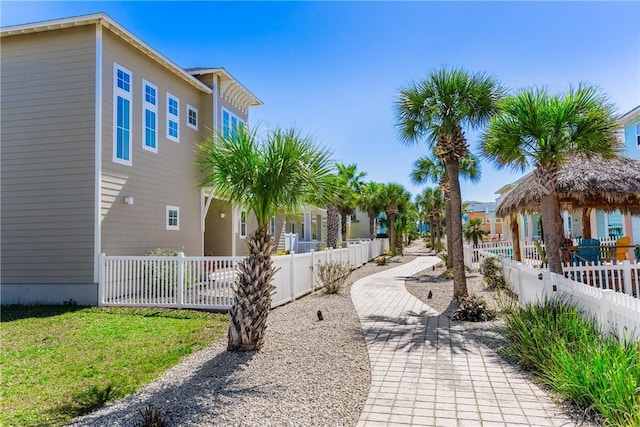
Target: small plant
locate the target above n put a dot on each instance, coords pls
(447, 273)
(444, 257)
(283, 252)
(381, 260)
(152, 416)
(332, 275)
(490, 268)
(473, 309)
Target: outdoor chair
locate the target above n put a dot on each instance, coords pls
(621, 249)
(588, 252)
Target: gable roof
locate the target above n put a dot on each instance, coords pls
(104, 20)
(629, 116)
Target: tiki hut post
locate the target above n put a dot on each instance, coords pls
(515, 237)
(586, 222)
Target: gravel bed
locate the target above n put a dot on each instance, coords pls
(309, 373)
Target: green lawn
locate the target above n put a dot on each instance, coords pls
(58, 362)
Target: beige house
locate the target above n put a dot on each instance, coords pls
(98, 132)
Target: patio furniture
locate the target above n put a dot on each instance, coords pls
(622, 248)
(588, 252)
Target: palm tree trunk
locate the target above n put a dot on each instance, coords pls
(438, 235)
(252, 296)
(550, 211)
(344, 226)
(372, 233)
(447, 230)
(333, 223)
(456, 250)
(392, 233)
(432, 231)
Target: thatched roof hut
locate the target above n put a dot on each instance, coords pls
(593, 183)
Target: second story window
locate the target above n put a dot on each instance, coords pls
(149, 117)
(638, 134)
(192, 117)
(173, 118)
(230, 124)
(121, 115)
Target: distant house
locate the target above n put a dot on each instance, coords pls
(630, 123)
(486, 211)
(98, 132)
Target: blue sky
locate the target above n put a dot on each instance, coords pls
(333, 69)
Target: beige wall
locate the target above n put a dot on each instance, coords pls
(47, 167)
(154, 180)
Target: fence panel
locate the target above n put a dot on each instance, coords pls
(302, 280)
(282, 280)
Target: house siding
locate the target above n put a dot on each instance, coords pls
(632, 147)
(154, 180)
(47, 167)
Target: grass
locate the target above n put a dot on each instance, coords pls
(567, 352)
(59, 362)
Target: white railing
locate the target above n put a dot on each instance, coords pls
(207, 282)
(614, 308)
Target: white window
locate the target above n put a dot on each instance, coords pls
(173, 118)
(243, 224)
(149, 116)
(638, 134)
(121, 115)
(272, 227)
(173, 218)
(230, 124)
(192, 117)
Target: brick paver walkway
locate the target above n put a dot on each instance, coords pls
(428, 371)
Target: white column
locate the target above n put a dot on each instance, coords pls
(307, 227)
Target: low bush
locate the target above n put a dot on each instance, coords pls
(381, 260)
(490, 269)
(473, 309)
(568, 352)
(332, 275)
(152, 416)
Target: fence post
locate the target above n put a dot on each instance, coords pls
(180, 290)
(292, 276)
(626, 278)
(604, 309)
(312, 284)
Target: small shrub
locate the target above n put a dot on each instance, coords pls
(332, 275)
(490, 268)
(165, 274)
(473, 309)
(152, 416)
(447, 273)
(444, 257)
(381, 260)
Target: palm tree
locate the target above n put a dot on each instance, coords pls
(432, 200)
(370, 203)
(350, 182)
(432, 169)
(535, 128)
(265, 177)
(395, 198)
(435, 110)
(473, 231)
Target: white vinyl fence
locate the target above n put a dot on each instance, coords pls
(207, 282)
(615, 310)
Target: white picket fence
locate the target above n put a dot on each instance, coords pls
(207, 282)
(615, 310)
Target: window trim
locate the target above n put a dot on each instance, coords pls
(173, 118)
(154, 109)
(191, 108)
(128, 96)
(243, 224)
(167, 217)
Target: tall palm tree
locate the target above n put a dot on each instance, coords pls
(395, 199)
(432, 169)
(432, 200)
(370, 203)
(435, 110)
(266, 177)
(536, 128)
(350, 183)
